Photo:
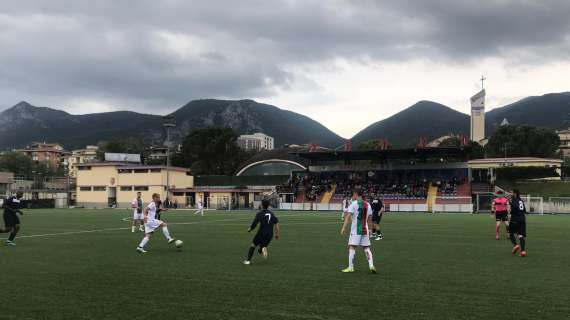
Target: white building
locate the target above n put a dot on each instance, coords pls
(256, 141)
(564, 142)
(79, 156)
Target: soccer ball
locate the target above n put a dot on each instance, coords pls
(178, 243)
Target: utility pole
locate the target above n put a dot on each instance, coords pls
(483, 82)
(168, 123)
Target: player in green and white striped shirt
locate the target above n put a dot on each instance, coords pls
(359, 214)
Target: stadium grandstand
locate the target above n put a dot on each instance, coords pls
(417, 179)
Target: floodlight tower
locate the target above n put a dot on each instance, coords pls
(169, 123)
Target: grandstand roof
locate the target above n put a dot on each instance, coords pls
(390, 154)
(288, 153)
(514, 162)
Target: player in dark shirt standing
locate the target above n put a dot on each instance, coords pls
(517, 223)
(377, 211)
(267, 221)
(12, 207)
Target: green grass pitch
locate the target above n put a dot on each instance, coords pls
(82, 264)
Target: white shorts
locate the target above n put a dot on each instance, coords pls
(138, 216)
(362, 240)
(150, 226)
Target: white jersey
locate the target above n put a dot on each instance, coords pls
(151, 211)
(345, 204)
(359, 211)
(135, 203)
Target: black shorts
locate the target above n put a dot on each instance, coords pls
(501, 216)
(262, 240)
(376, 217)
(11, 219)
(518, 227)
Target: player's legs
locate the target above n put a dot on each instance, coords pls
(256, 242)
(263, 246)
(143, 242)
(14, 232)
(522, 238)
(497, 228)
(12, 223)
(351, 255)
(165, 232)
(374, 224)
(514, 228)
(370, 259)
(250, 252)
(141, 225)
(379, 232)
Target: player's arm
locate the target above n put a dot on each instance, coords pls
(347, 220)
(254, 223)
(12, 209)
(277, 231)
(145, 214)
(134, 205)
(369, 217)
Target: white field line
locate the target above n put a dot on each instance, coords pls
(127, 228)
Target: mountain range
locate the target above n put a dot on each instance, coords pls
(24, 123)
(432, 120)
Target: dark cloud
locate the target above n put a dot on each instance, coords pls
(155, 55)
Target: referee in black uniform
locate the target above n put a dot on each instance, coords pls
(377, 211)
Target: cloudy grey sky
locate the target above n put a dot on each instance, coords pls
(344, 63)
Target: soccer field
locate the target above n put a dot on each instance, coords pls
(82, 264)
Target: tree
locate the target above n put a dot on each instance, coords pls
(451, 142)
(476, 151)
(17, 163)
(120, 145)
(523, 141)
(374, 144)
(368, 145)
(211, 151)
(22, 165)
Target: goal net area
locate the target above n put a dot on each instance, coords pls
(447, 204)
(534, 205)
(482, 203)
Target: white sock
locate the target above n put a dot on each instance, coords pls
(166, 233)
(351, 254)
(133, 228)
(369, 257)
(144, 241)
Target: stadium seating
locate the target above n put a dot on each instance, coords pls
(410, 185)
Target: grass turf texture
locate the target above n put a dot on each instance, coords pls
(430, 267)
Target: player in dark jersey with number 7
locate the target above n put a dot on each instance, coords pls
(267, 222)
